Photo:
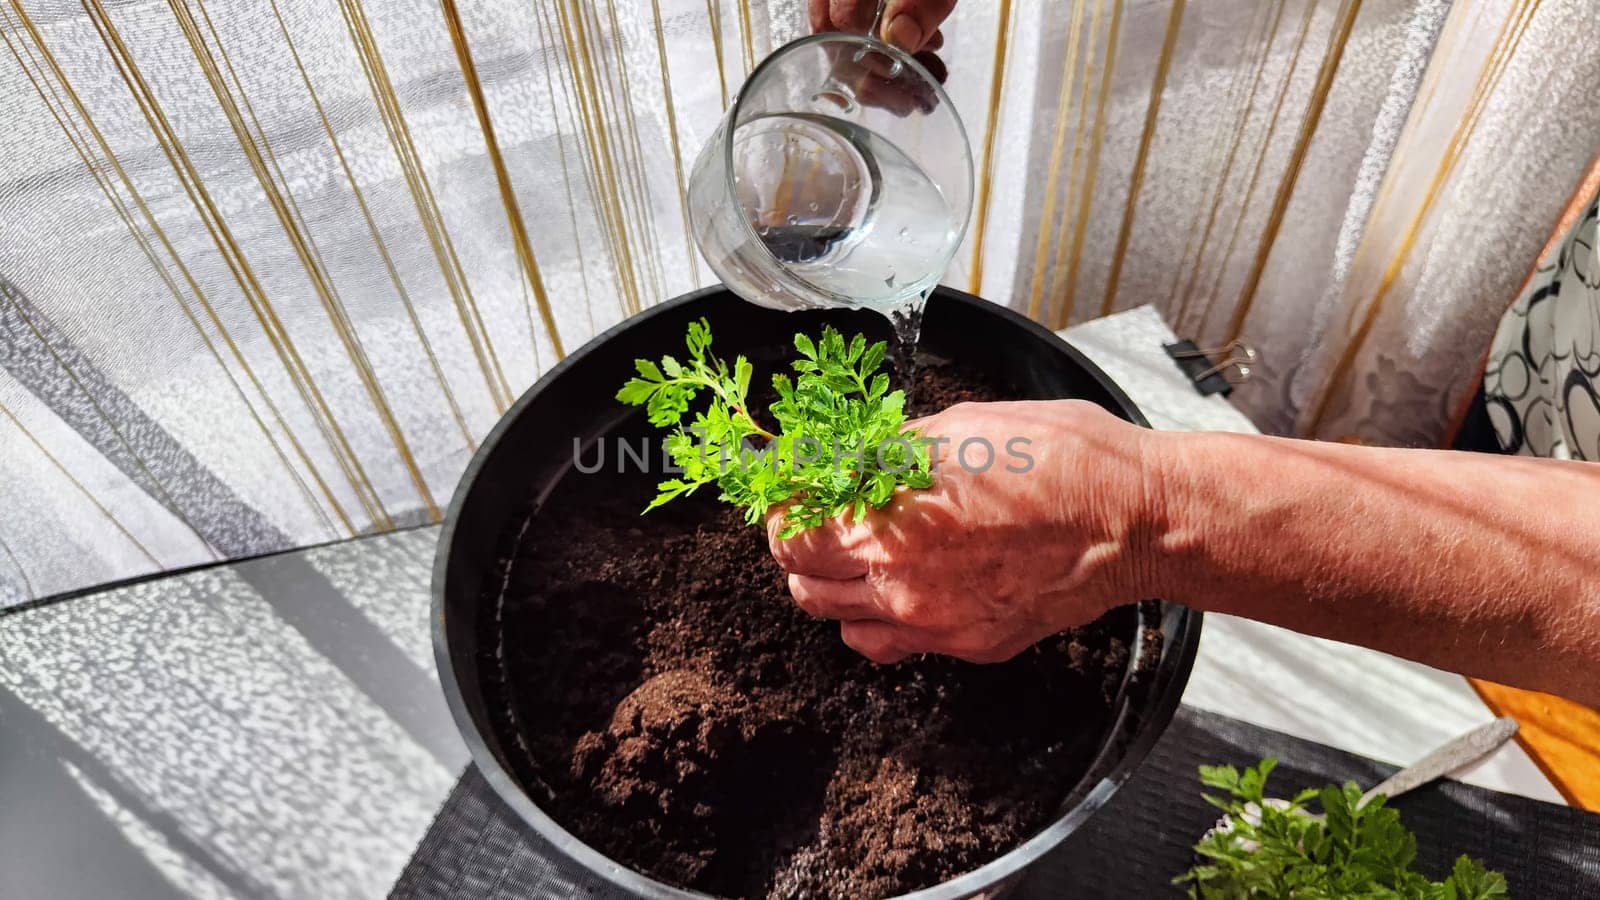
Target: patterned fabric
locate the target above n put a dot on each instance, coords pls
(1538, 399)
(1544, 365)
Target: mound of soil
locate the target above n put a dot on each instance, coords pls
(678, 713)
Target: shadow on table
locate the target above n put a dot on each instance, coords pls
(261, 730)
(310, 603)
(47, 807)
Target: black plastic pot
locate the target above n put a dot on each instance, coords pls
(531, 447)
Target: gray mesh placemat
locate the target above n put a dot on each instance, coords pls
(1132, 848)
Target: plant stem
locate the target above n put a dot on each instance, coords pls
(716, 388)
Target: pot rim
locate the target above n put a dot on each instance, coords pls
(1168, 677)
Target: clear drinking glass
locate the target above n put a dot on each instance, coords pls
(840, 176)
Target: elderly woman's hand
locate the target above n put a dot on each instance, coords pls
(1034, 523)
(911, 25)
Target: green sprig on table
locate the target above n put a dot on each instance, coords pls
(1285, 851)
(841, 444)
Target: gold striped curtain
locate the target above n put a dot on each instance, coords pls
(1355, 187)
(269, 269)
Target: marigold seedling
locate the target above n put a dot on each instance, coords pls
(1279, 850)
(841, 444)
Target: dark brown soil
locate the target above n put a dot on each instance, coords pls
(678, 713)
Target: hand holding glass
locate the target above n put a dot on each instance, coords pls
(841, 176)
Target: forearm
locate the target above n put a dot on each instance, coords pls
(1479, 564)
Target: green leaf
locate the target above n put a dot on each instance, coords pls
(881, 487)
(667, 404)
(647, 370)
(635, 391)
(804, 345)
(857, 345)
(832, 343)
(1472, 881)
(699, 339)
(668, 490)
(1341, 820)
(872, 359)
(741, 376)
(1224, 777)
(1253, 781)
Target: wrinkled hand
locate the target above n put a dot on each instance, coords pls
(985, 563)
(911, 25)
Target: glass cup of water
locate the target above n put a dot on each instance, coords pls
(841, 176)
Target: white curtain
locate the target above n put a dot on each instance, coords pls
(269, 269)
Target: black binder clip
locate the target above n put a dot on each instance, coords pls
(1209, 374)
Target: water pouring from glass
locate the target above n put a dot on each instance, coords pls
(841, 176)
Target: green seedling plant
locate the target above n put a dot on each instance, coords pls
(840, 444)
(1282, 850)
